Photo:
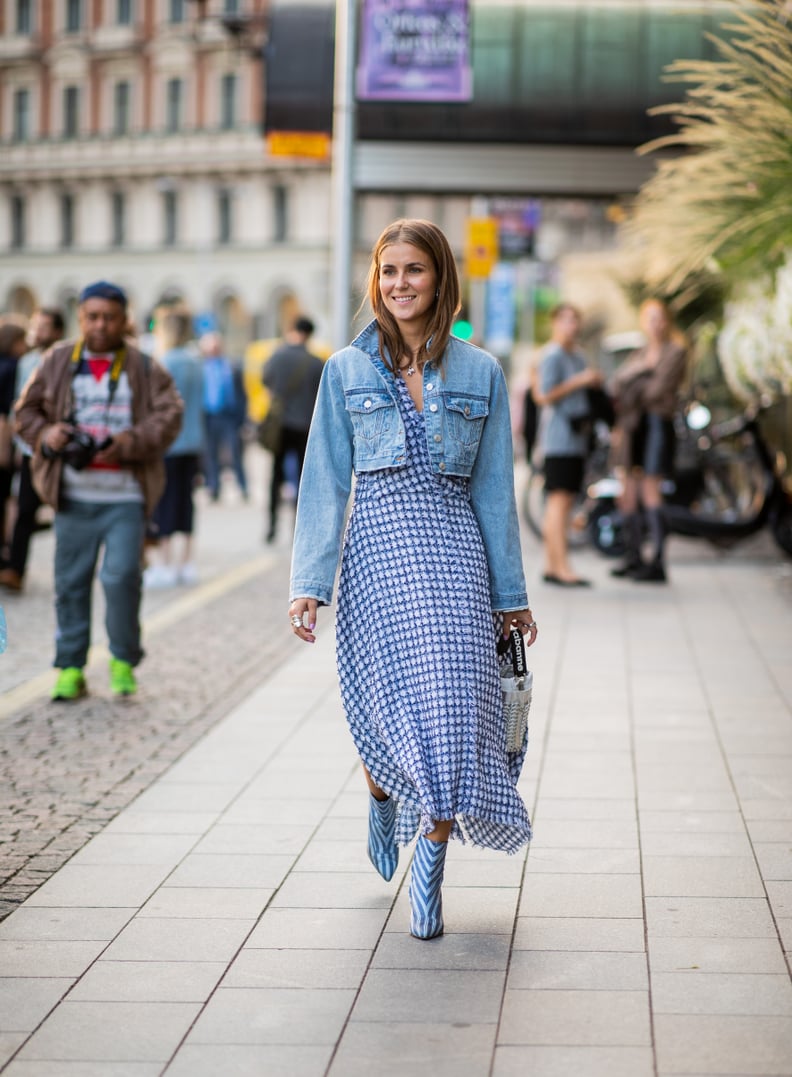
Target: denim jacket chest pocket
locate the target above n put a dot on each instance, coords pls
(374, 417)
(465, 417)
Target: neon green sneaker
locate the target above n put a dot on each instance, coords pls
(70, 684)
(122, 679)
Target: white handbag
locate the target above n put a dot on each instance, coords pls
(516, 690)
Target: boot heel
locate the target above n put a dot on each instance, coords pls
(383, 851)
(426, 880)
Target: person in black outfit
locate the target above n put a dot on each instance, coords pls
(12, 348)
(292, 374)
(47, 327)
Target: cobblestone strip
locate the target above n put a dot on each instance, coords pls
(66, 770)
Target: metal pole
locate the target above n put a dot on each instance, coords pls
(342, 177)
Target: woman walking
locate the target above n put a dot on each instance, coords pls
(431, 565)
(645, 391)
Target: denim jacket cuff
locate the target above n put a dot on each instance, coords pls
(507, 603)
(311, 589)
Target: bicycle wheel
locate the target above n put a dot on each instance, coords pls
(533, 501)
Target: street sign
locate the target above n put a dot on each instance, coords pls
(481, 247)
(314, 144)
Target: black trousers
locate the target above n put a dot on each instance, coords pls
(293, 441)
(28, 503)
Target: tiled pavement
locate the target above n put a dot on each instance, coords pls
(227, 922)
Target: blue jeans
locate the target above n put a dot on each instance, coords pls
(222, 432)
(81, 529)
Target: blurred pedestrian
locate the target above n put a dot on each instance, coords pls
(225, 408)
(431, 549)
(46, 328)
(646, 390)
(99, 415)
(291, 375)
(12, 348)
(175, 512)
(564, 381)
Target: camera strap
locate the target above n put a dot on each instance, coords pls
(119, 359)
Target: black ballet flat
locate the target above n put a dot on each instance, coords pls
(549, 577)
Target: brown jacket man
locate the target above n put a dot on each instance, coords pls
(126, 410)
(156, 411)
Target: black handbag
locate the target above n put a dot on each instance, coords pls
(269, 432)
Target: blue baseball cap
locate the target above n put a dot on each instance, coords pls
(103, 289)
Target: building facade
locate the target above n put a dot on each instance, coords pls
(131, 148)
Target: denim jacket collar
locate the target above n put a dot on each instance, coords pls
(357, 427)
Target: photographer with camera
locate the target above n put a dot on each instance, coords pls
(99, 415)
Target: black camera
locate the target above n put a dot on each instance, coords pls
(81, 448)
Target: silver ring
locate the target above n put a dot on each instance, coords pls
(532, 624)
(297, 621)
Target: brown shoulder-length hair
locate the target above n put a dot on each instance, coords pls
(428, 238)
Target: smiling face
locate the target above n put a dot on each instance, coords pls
(408, 283)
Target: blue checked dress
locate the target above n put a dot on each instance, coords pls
(416, 653)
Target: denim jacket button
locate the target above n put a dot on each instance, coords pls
(438, 437)
(467, 409)
(366, 403)
(442, 465)
(433, 407)
(429, 387)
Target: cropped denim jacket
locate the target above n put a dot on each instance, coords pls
(357, 427)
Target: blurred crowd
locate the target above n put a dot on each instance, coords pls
(216, 427)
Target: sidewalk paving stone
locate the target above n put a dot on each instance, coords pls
(565, 1017)
(444, 1050)
(565, 1061)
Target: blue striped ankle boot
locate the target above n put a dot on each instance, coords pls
(382, 849)
(426, 899)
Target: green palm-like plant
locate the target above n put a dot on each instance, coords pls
(724, 207)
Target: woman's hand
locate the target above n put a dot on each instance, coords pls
(302, 615)
(522, 619)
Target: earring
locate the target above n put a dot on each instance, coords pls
(437, 294)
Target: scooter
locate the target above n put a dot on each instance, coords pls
(727, 485)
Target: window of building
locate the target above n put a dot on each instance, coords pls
(67, 220)
(170, 204)
(228, 95)
(280, 213)
(73, 16)
(18, 222)
(24, 16)
(231, 7)
(224, 216)
(173, 104)
(175, 10)
(124, 12)
(117, 218)
(71, 111)
(21, 121)
(122, 97)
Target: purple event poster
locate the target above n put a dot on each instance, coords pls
(415, 50)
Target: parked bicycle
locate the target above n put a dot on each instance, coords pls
(727, 485)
